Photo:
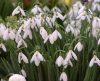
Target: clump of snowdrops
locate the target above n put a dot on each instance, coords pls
(49, 45)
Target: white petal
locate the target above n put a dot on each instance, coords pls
(12, 35)
(19, 43)
(92, 62)
(19, 57)
(24, 58)
(59, 61)
(63, 77)
(17, 77)
(74, 55)
(23, 72)
(22, 12)
(25, 44)
(3, 47)
(43, 33)
(6, 35)
(16, 11)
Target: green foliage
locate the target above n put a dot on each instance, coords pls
(6, 8)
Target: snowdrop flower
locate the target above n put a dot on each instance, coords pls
(33, 24)
(6, 34)
(95, 6)
(95, 26)
(22, 57)
(23, 72)
(70, 55)
(3, 47)
(82, 15)
(17, 77)
(94, 60)
(56, 9)
(43, 33)
(17, 37)
(59, 15)
(74, 10)
(81, 10)
(46, 9)
(63, 77)
(12, 34)
(49, 21)
(66, 63)
(18, 10)
(78, 46)
(75, 31)
(27, 32)
(53, 37)
(27, 23)
(99, 41)
(56, 35)
(21, 42)
(59, 61)
(38, 20)
(37, 58)
(2, 29)
(68, 28)
(36, 9)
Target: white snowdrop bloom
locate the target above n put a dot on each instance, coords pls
(81, 10)
(17, 77)
(95, 6)
(17, 37)
(95, 26)
(94, 60)
(12, 34)
(63, 77)
(56, 9)
(74, 10)
(53, 19)
(70, 55)
(23, 72)
(59, 15)
(99, 41)
(27, 32)
(59, 61)
(20, 29)
(37, 58)
(27, 23)
(33, 24)
(75, 31)
(56, 35)
(21, 42)
(43, 33)
(38, 20)
(67, 62)
(6, 34)
(46, 9)
(81, 15)
(78, 46)
(36, 9)
(18, 10)
(22, 57)
(48, 20)
(53, 37)
(2, 29)
(3, 47)
(68, 28)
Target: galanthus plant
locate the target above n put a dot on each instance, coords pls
(51, 45)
